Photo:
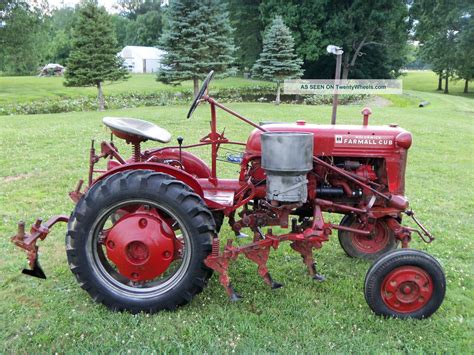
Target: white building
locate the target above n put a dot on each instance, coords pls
(141, 59)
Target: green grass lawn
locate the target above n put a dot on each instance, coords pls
(43, 156)
(425, 80)
(31, 88)
(14, 89)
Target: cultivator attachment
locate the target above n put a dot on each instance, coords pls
(303, 242)
(27, 242)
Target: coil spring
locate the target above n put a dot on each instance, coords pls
(136, 152)
(215, 247)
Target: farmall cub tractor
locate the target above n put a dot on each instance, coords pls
(144, 235)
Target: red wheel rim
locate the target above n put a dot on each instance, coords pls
(371, 244)
(141, 244)
(407, 289)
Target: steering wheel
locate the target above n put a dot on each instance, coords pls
(202, 91)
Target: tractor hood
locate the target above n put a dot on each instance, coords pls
(342, 140)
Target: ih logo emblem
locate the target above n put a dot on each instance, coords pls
(338, 139)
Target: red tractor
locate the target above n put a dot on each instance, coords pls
(144, 235)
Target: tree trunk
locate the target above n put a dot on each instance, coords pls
(345, 66)
(440, 81)
(196, 86)
(345, 73)
(446, 81)
(277, 99)
(466, 86)
(100, 96)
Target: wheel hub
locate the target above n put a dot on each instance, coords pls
(141, 245)
(373, 243)
(407, 289)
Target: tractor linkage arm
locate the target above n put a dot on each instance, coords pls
(426, 236)
(27, 241)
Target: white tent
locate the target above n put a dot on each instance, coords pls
(141, 59)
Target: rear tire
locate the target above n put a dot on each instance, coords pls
(144, 188)
(363, 247)
(405, 283)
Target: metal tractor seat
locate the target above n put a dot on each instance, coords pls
(134, 130)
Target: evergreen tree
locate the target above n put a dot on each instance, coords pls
(198, 38)
(93, 57)
(278, 60)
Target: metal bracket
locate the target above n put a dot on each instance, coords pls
(426, 236)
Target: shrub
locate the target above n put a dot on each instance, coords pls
(163, 98)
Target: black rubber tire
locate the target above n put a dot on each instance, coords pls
(168, 192)
(398, 258)
(347, 243)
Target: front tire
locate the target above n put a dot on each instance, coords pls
(405, 283)
(181, 213)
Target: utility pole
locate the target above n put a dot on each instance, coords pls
(337, 51)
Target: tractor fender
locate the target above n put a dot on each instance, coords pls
(191, 163)
(180, 175)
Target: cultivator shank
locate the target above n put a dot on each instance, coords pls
(302, 241)
(27, 242)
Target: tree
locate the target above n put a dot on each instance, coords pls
(360, 24)
(149, 28)
(129, 8)
(356, 25)
(140, 22)
(132, 8)
(305, 19)
(245, 18)
(278, 60)
(23, 36)
(198, 38)
(464, 65)
(145, 30)
(438, 26)
(121, 26)
(61, 23)
(93, 58)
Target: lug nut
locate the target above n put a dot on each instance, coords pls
(142, 222)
